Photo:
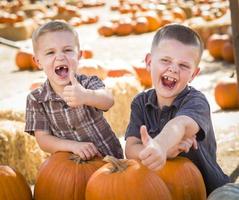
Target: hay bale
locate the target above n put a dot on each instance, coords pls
(20, 150)
(124, 89)
(12, 115)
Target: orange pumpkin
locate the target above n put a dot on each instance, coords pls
(124, 27)
(24, 61)
(142, 73)
(106, 29)
(226, 94)
(153, 20)
(141, 25)
(63, 176)
(227, 52)
(191, 186)
(215, 43)
(87, 52)
(125, 179)
(13, 185)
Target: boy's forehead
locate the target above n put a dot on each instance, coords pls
(57, 37)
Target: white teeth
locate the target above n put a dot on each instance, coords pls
(64, 67)
(170, 78)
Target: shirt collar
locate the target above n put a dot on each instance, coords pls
(47, 93)
(152, 98)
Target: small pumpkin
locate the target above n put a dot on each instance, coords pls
(13, 185)
(153, 20)
(106, 29)
(125, 179)
(142, 73)
(226, 94)
(227, 52)
(215, 43)
(124, 27)
(191, 186)
(24, 60)
(63, 176)
(87, 52)
(141, 25)
(230, 191)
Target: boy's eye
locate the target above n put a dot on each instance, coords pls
(163, 60)
(68, 50)
(184, 66)
(49, 52)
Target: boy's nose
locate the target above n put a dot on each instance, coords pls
(173, 68)
(60, 56)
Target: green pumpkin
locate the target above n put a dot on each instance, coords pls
(229, 191)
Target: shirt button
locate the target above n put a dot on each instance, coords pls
(65, 106)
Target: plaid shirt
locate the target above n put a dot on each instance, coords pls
(47, 111)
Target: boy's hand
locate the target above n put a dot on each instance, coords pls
(74, 94)
(86, 150)
(183, 146)
(152, 156)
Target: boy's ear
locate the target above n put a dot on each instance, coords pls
(148, 61)
(79, 54)
(37, 62)
(195, 73)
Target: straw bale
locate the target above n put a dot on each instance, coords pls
(12, 115)
(20, 150)
(124, 89)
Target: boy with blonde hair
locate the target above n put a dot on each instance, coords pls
(65, 114)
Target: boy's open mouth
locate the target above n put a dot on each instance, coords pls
(168, 81)
(62, 71)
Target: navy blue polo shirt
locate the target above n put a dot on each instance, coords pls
(192, 103)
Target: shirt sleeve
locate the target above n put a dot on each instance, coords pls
(94, 83)
(35, 117)
(197, 108)
(136, 120)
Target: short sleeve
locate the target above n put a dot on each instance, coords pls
(93, 83)
(35, 117)
(197, 108)
(136, 120)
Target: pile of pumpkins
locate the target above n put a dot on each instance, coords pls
(65, 176)
(143, 16)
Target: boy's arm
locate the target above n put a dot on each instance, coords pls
(133, 147)
(155, 152)
(52, 144)
(76, 95)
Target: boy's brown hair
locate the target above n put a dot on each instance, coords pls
(53, 26)
(180, 33)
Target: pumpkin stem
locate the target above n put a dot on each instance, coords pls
(77, 159)
(118, 165)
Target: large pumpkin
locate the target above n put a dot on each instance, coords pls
(13, 185)
(183, 179)
(125, 180)
(63, 176)
(229, 191)
(226, 94)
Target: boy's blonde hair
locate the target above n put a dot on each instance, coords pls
(180, 33)
(53, 26)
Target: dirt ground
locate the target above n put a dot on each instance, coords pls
(15, 84)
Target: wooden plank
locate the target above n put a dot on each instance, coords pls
(234, 7)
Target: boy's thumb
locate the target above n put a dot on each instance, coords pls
(144, 135)
(73, 78)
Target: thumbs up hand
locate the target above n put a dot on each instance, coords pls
(152, 156)
(74, 94)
